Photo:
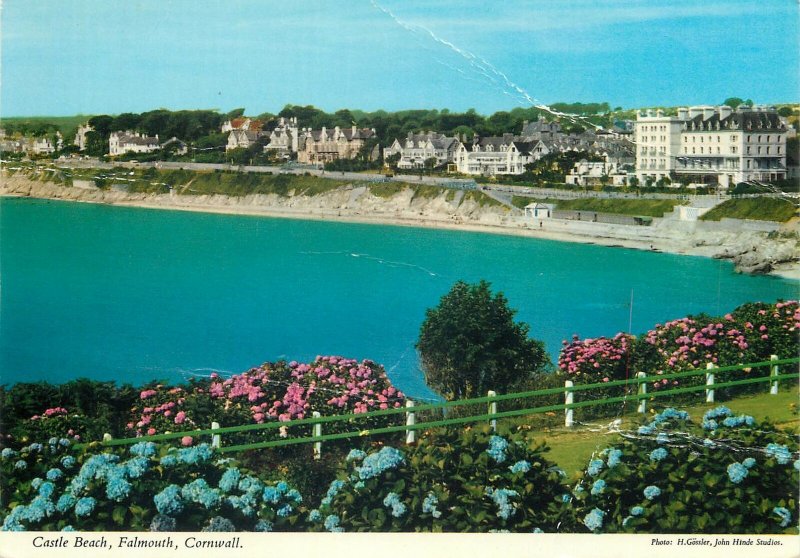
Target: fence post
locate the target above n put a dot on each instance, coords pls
(773, 390)
(216, 439)
(492, 410)
(568, 399)
(642, 391)
(317, 431)
(411, 435)
(710, 382)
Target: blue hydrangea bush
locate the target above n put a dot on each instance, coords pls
(458, 480)
(139, 488)
(725, 475)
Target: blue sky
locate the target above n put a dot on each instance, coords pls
(63, 57)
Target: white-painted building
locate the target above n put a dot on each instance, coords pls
(711, 145)
(131, 142)
(284, 139)
(415, 149)
(496, 156)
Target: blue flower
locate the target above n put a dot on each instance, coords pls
(136, 467)
(36, 483)
(271, 495)
(334, 488)
(709, 443)
(263, 526)
(652, 492)
(143, 449)
(35, 448)
(332, 524)
(497, 448)
(163, 523)
(284, 511)
(118, 488)
(658, 454)
(169, 501)
(732, 422)
(737, 472)
(646, 430)
(314, 516)
(709, 424)
(520, 467)
(662, 438)
(8, 453)
(85, 506)
(39, 508)
(229, 479)
(595, 466)
(797, 464)
(718, 412)
(392, 500)
(169, 460)
(21, 465)
(670, 414)
(536, 530)
(784, 514)
(46, 489)
(429, 505)
(282, 487)
(219, 525)
(779, 452)
(594, 519)
(376, 463)
(749, 462)
(65, 502)
(566, 498)
(68, 462)
(637, 511)
(252, 485)
(598, 487)
(196, 454)
(68, 528)
(78, 485)
(294, 496)
(54, 474)
(355, 455)
(501, 497)
(614, 457)
(64, 442)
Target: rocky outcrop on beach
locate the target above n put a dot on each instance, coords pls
(763, 253)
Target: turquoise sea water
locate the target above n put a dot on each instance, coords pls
(134, 294)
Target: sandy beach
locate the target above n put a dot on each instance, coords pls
(341, 207)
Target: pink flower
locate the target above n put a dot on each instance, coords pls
(179, 417)
(151, 431)
(186, 441)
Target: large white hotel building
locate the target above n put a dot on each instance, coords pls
(711, 145)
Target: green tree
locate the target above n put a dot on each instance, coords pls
(733, 102)
(470, 344)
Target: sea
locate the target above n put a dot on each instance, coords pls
(131, 295)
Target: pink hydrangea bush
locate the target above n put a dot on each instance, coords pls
(282, 391)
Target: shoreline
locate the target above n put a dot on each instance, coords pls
(655, 239)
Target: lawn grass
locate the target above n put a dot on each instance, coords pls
(639, 207)
(572, 448)
(761, 209)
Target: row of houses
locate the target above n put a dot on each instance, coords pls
(43, 145)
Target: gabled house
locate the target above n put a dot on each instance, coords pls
(495, 155)
(178, 147)
(80, 136)
(131, 142)
(242, 123)
(284, 139)
(415, 149)
(324, 146)
(243, 139)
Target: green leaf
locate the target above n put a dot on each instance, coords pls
(118, 515)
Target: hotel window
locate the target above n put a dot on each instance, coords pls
(686, 150)
(759, 150)
(768, 150)
(718, 150)
(692, 150)
(701, 151)
(733, 149)
(718, 139)
(779, 150)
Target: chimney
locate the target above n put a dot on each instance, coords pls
(695, 111)
(708, 112)
(724, 112)
(683, 113)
